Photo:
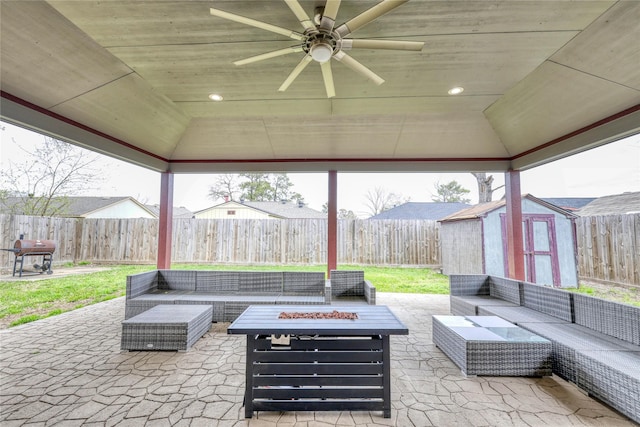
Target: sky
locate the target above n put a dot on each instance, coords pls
(610, 169)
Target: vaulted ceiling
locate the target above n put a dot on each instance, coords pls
(131, 79)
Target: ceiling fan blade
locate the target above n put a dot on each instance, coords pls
(300, 14)
(327, 76)
(268, 55)
(368, 15)
(348, 44)
(329, 15)
(258, 24)
(358, 67)
(294, 74)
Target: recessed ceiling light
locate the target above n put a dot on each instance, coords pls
(456, 90)
(215, 97)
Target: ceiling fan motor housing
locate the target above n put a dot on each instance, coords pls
(321, 46)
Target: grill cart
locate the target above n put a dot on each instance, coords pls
(33, 248)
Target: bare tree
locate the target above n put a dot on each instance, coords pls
(342, 213)
(346, 214)
(485, 192)
(380, 199)
(46, 176)
(226, 186)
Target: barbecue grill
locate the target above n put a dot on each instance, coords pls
(23, 248)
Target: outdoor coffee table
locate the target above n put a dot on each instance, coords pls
(166, 327)
(317, 364)
(489, 345)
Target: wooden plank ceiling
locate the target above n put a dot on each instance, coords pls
(131, 79)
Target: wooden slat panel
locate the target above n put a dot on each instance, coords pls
(321, 369)
(317, 405)
(609, 248)
(317, 393)
(319, 380)
(321, 344)
(316, 356)
(464, 258)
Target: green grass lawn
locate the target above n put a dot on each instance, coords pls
(627, 295)
(26, 301)
(385, 279)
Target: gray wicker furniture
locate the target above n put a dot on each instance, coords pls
(166, 327)
(229, 293)
(489, 345)
(596, 343)
(351, 285)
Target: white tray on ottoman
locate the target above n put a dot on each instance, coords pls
(166, 327)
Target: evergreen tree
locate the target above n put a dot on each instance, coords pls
(451, 192)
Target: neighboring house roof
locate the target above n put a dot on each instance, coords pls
(571, 204)
(85, 206)
(281, 210)
(178, 211)
(8, 205)
(482, 209)
(421, 210)
(76, 207)
(80, 206)
(286, 209)
(616, 204)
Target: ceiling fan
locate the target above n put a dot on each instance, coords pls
(321, 40)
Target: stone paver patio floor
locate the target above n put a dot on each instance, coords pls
(68, 370)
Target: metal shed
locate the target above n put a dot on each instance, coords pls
(474, 242)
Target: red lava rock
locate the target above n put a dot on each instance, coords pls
(335, 314)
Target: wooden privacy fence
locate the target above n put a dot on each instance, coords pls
(241, 241)
(608, 246)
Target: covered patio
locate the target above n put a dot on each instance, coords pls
(69, 370)
(540, 80)
(478, 87)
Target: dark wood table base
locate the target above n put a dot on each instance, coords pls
(318, 364)
(320, 373)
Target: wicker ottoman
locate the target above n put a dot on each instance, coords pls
(166, 327)
(489, 345)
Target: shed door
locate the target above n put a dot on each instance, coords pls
(540, 249)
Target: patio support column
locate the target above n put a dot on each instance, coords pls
(332, 228)
(165, 220)
(515, 242)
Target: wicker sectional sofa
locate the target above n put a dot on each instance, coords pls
(228, 292)
(596, 343)
(350, 285)
(231, 292)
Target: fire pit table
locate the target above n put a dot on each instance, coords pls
(325, 358)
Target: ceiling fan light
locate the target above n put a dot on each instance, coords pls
(321, 52)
